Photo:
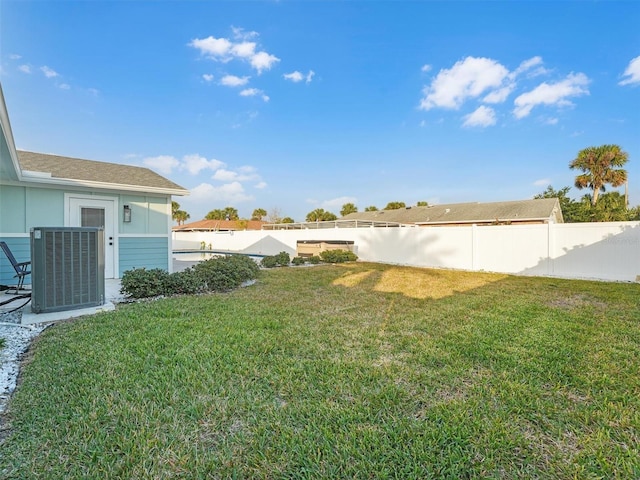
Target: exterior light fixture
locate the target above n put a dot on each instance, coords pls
(126, 214)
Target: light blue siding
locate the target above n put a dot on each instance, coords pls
(21, 249)
(143, 252)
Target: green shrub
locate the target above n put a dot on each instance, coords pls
(186, 282)
(338, 256)
(298, 260)
(315, 260)
(142, 283)
(218, 274)
(222, 274)
(269, 261)
(283, 259)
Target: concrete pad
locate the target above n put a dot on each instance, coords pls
(112, 296)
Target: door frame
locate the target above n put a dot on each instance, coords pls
(72, 200)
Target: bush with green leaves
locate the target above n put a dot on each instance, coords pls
(222, 274)
(218, 274)
(186, 282)
(315, 260)
(269, 261)
(298, 260)
(282, 259)
(338, 256)
(143, 283)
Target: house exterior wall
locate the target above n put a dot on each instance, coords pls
(23, 207)
(144, 252)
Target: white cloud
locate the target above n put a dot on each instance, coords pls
(297, 76)
(426, 68)
(233, 81)
(294, 76)
(64, 86)
(543, 182)
(244, 49)
(551, 94)
(527, 65)
(551, 121)
(632, 73)
(468, 78)
(208, 77)
(243, 174)
(253, 92)
(205, 193)
(224, 175)
(25, 68)
(48, 72)
(162, 163)
(225, 50)
(260, 185)
(482, 117)
(337, 203)
(214, 48)
(263, 61)
(195, 163)
(240, 34)
(499, 95)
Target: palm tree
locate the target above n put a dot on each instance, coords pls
(320, 215)
(394, 205)
(348, 208)
(181, 216)
(258, 214)
(601, 166)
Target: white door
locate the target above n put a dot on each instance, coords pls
(97, 212)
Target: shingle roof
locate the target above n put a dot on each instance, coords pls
(79, 170)
(212, 225)
(514, 211)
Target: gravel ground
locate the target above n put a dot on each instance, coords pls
(18, 339)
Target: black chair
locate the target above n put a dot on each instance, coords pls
(21, 268)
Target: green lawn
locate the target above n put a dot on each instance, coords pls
(354, 371)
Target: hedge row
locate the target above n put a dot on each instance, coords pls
(218, 274)
(328, 256)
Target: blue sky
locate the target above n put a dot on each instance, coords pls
(297, 105)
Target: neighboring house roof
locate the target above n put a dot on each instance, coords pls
(219, 225)
(523, 211)
(55, 169)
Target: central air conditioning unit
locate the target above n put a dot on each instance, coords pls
(67, 268)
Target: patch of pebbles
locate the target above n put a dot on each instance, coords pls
(18, 338)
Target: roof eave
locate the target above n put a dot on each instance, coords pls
(102, 185)
(518, 219)
(5, 124)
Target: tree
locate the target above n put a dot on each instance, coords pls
(572, 211)
(181, 216)
(371, 208)
(229, 213)
(394, 205)
(422, 204)
(287, 220)
(601, 166)
(348, 208)
(320, 215)
(274, 215)
(258, 214)
(175, 206)
(178, 215)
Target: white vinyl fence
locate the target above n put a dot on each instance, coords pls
(603, 251)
